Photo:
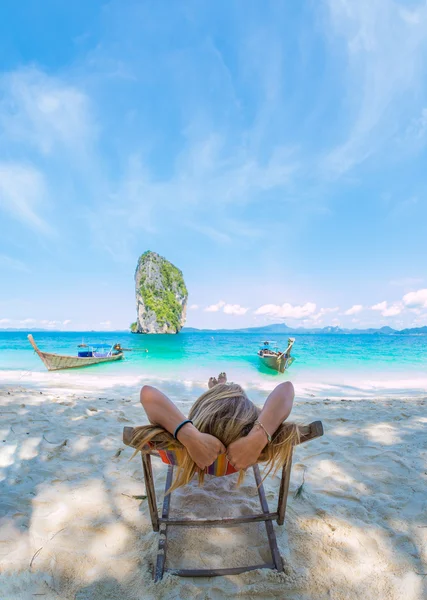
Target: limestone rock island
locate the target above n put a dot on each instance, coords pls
(161, 296)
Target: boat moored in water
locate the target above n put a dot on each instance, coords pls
(90, 355)
(270, 356)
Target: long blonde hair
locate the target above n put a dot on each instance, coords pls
(226, 412)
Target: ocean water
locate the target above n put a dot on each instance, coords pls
(338, 359)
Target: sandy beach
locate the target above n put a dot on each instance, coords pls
(70, 527)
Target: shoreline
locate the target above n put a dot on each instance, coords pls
(345, 386)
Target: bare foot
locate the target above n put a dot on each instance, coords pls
(222, 378)
(212, 381)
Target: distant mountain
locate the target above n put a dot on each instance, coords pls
(283, 328)
(414, 330)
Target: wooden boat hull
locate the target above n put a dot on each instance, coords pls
(56, 362)
(277, 364)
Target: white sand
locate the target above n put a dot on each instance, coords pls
(69, 530)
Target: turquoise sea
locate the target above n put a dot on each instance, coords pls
(196, 355)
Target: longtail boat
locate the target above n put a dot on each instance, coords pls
(271, 357)
(91, 355)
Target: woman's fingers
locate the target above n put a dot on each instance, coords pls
(222, 448)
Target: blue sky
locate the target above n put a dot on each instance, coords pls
(274, 151)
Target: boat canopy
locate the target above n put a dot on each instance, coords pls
(101, 345)
(96, 350)
(269, 345)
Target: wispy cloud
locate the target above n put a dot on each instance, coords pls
(43, 112)
(7, 262)
(22, 192)
(406, 281)
(46, 131)
(204, 187)
(386, 52)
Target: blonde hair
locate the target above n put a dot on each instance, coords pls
(226, 412)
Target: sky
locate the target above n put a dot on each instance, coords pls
(273, 151)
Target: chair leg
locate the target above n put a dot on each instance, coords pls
(284, 490)
(163, 537)
(151, 493)
(272, 541)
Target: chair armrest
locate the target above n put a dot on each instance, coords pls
(311, 431)
(128, 435)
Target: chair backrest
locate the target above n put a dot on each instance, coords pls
(219, 468)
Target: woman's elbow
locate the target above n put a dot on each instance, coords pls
(146, 395)
(287, 390)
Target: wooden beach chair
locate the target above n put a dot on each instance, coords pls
(219, 468)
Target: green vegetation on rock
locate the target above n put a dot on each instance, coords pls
(162, 289)
(134, 327)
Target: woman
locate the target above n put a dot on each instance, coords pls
(222, 420)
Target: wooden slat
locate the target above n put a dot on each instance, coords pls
(161, 552)
(284, 490)
(228, 522)
(217, 572)
(151, 492)
(277, 559)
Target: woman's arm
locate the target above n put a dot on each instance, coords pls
(245, 452)
(202, 447)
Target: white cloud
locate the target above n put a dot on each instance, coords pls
(380, 306)
(287, 310)
(228, 309)
(354, 310)
(215, 307)
(194, 307)
(66, 322)
(22, 193)
(105, 323)
(5, 321)
(416, 299)
(235, 309)
(324, 311)
(392, 311)
(388, 310)
(50, 324)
